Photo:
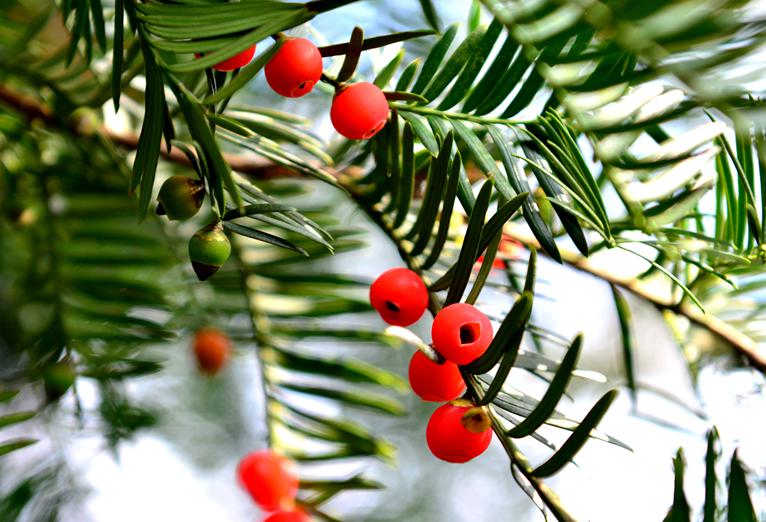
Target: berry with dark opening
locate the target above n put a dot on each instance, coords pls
(436, 382)
(237, 61)
(296, 515)
(180, 197)
(209, 249)
(212, 349)
(57, 379)
(459, 431)
(399, 296)
(461, 333)
(270, 478)
(359, 111)
(295, 68)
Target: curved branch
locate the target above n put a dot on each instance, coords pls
(262, 168)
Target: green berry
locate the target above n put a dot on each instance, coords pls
(57, 379)
(180, 197)
(209, 249)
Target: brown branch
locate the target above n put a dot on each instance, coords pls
(262, 168)
(720, 329)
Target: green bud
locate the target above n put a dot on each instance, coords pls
(209, 249)
(180, 197)
(57, 379)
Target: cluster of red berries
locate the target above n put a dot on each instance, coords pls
(457, 431)
(272, 481)
(358, 110)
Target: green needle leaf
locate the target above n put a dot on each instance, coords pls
(577, 439)
(553, 394)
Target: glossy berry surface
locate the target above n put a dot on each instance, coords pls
(209, 249)
(399, 296)
(212, 349)
(180, 197)
(296, 515)
(432, 381)
(461, 333)
(295, 68)
(359, 111)
(270, 478)
(448, 437)
(237, 61)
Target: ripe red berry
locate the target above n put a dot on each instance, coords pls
(458, 432)
(212, 348)
(296, 515)
(270, 478)
(399, 296)
(359, 111)
(295, 68)
(432, 381)
(237, 61)
(461, 333)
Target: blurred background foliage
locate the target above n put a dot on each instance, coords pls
(623, 141)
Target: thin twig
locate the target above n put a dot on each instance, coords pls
(261, 168)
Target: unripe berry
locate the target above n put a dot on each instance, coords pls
(269, 478)
(458, 431)
(180, 197)
(432, 381)
(212, 348)
(399, 296)
(57, 379)
(237, 61)
(295, 68)
(296, 515)
(461, 333)
(359, 111)
(209, 249)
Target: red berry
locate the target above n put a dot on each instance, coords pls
(359, 111)
(461, 333)
(296, 515)
(212, 348)
(399, 296)
(270, 478)
(432, 381)
(235, 62)
(458, 432)
(295, 68)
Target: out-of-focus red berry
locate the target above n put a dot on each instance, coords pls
(359, 111)
(510, 250)
(270, 478)
(237, 61)
(212, 348)
(296, 515)
(432, 381)
(458, 432)
(400, 296)
(461, 333)
(295, 68)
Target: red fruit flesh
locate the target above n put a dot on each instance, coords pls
(212, 349)
(461, 333)
(295, 515)
(400, 296)
(359, 111)
(237, 61)
(295, 68)
(449, 440)
(436, 382)
(270, 478)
